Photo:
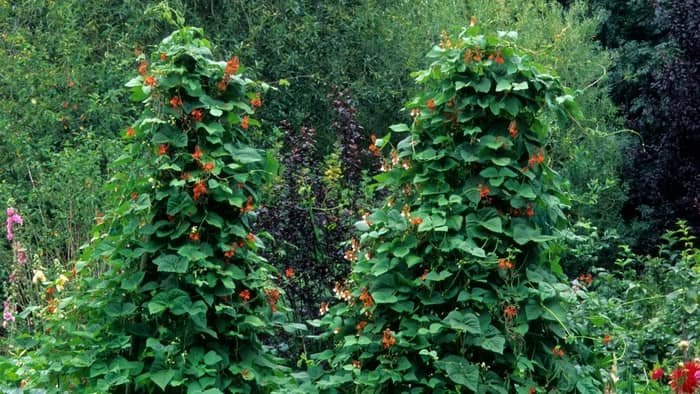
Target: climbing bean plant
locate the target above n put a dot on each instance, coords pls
(451, 287)
(171, 295)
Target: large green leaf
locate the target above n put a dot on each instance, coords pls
(171, 263)
(162, 378)
(460, 371)
(467, 322)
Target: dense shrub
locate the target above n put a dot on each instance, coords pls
(654, 83)
(665, 177)
(450, 286)
(643, 321)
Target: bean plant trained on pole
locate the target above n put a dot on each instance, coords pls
(172, 295)
(451, 287)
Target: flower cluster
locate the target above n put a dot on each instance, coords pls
(7, 316)
(12, 218)
(272, 295)
(231, 69)
(686, 378)
(388, 339)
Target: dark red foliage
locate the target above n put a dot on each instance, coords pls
(665, 177)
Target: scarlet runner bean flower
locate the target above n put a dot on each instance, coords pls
(360, 326)
(289, 272)
(388, 339)
(208, 167)
(273, 296)
(199, 189)
(510, 312)
(505, 264)
(484, 191)
(657, 374)
(245, 295)
(150, 81)
(143, 68)
(232, 66)
(323, 309)
(366, 298)
(197, 115)
(249, 206)
(197, 153)
(256, 102)
(244, 122)
(176, 102)
(513, 128)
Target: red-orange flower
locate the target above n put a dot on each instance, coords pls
(366, 298)
(607, 338)
(163, 56)
(431, 104)
(535, 159)
(686, 378)
(232, 66)
(134, 196)
(197, 115)
(256, 102)
(416, 221)
(585, 278)
(248, 205)
(530, 212)
(222, 85)
(199, 189)
(510, 312)
(388, 339)
(194, 236)
(657, 374)
(273, 296)
(372, 147)
(245, 295)
(289, 272)
(244, 122)
(130, 132)
(513, 128)
(499, 59)
(162, 149)
(150, 81)
(231, 252)
(360, 326)
(557, 351)
(505, 264)
(176, 102)
(250, 237)
(425, 275)
(197, 154)
(143, 68)
(208, 167)
(484, 191)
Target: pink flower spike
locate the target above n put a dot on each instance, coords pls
(12, 218)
